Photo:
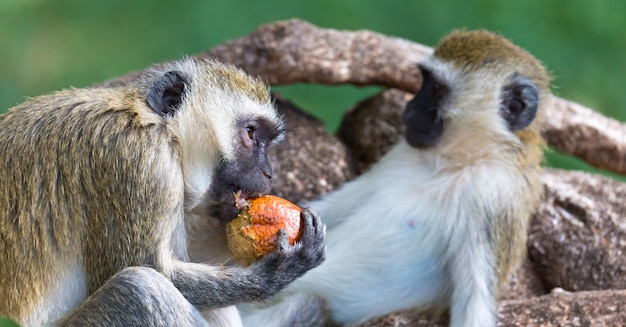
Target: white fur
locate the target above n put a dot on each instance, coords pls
(69, 291)
(224, 317)
(304, 308)
(388, 246)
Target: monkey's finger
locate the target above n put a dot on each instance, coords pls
(283, 240)
(308, 230)
(314, 233)
(316, 237)
(307, 216)
(318, 226)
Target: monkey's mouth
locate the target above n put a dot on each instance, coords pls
(231, 189)
(241, 199)
(229, 203)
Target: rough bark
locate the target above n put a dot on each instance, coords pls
(309, 162)
(578, 237)
(559, 308)
(373, 126)
(295, 51)
(525, 282)
(573, 129)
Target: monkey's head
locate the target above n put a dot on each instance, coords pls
(477, 87)
(221, 121)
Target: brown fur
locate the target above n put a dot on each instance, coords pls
(481, 49)
(63, 200)
(52, 192)
(235, 82)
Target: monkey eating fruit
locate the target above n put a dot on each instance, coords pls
(100, 187)
(254, 232)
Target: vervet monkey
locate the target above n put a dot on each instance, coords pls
(99, 179)
(442, 218)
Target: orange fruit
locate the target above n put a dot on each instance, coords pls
(254, 232)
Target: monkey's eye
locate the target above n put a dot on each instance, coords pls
(250, 130)
(437, 89)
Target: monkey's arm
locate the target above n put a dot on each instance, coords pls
(344, 201)
(211, 287)
(136, 296)
(473, 259)
(473, 274)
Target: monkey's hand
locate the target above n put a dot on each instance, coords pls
(208, 286)
(289, 262)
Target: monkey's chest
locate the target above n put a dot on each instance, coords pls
(398, 258)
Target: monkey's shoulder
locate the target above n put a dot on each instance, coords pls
(85, 111)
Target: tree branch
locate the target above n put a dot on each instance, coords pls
(295, 51)
(559, 308)
(573, 129)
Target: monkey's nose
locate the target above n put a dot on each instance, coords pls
(266, 168)
(267, 174)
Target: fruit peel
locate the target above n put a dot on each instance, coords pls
(254, 232)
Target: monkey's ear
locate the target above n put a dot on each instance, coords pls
(520, 99)
(166, 94)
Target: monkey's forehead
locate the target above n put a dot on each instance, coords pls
(483, 49)
(235, 81)
(209, 72)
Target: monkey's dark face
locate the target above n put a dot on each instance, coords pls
(467, 103)
(250, 174)
(422, 118)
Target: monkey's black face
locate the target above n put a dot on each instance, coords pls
(250, 174)
(421, 117)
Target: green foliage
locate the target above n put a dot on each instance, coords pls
(8, 322)
(49, 45)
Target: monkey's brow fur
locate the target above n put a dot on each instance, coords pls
(228, 78)
(236, 81)
(481, 49)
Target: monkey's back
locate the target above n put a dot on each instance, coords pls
(63, 183)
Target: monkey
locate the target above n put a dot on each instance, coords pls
(440, 220)
(100, 184)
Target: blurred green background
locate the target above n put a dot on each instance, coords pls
(47, 45)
